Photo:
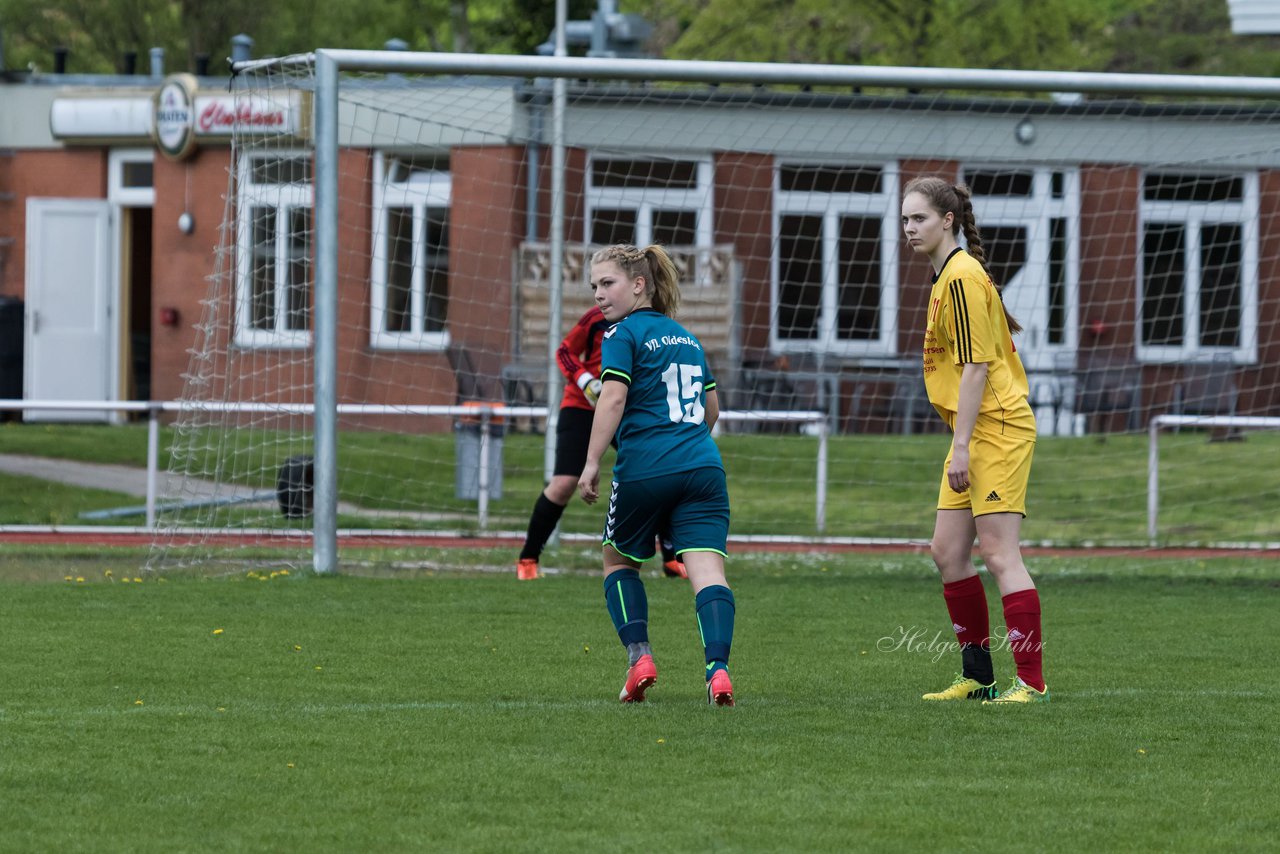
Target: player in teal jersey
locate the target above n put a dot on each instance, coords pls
(659, 399)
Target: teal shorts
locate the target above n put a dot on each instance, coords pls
(695, 503)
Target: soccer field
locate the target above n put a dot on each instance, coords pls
(461, 710)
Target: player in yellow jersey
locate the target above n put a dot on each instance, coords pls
(976, 382)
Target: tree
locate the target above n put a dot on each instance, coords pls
(1169, 36)
(1174, 36)
(96, 35)
(99, 32)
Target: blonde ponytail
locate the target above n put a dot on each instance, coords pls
(661, 278)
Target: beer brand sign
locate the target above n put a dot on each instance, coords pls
(177, 116)
(174, 122)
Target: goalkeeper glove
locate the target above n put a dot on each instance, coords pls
(591, 387)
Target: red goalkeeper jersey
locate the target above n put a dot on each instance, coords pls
(579, 354)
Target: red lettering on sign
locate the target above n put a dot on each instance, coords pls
(218, 116)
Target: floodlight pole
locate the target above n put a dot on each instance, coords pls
(325, 335)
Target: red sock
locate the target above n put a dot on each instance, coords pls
(967, 605)
(1022, 619)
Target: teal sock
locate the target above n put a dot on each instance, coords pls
(715, 608)
(628, 606)
(637, 651)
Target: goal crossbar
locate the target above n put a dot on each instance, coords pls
(328, 64)
(780, 73)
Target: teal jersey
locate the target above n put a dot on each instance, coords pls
(663, 429)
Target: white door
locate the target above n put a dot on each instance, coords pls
(69, 338)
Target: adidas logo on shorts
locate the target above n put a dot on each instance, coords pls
(993, 496)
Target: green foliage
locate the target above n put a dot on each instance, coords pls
(1169, 36)
(1188, 37)
(98, 33)
(466, 712)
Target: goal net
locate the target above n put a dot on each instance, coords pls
(1132, 234)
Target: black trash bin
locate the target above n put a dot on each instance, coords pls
(295, 486)
(11, 348)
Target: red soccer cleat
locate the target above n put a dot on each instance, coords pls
(641, 676)
(720, 689)
(674, 569)
(527, 569)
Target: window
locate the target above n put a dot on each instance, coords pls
(130, 177)
(644, 200)
(835, 269)
(274, 253)
(1027, 215)
(410, 274)
(1198, 280)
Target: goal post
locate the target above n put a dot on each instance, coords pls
(379, 259)
(325, 547)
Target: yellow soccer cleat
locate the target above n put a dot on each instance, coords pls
(1020, 692)
(964, 688)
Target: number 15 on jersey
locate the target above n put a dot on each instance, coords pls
(684, 393)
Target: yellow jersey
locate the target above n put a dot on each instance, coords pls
(966, 323)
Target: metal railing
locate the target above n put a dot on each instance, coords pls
(486, 415)
(1153, 450)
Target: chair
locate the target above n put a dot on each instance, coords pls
(525, 385)
(1109, 384)
(782, 388)
(1208, 388)
(472, 382)
(910, 408)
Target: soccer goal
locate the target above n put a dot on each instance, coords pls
(376, 364)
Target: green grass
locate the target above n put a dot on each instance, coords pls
(1082, 490)
(458, 710)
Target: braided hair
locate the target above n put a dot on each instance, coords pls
(958, 200)
(662, 280)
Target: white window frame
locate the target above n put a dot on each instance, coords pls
(646, 200)
(420, 191)
(117, 192)
(833, 206)
(1192, 215)
(284, 198)
(1037, 212)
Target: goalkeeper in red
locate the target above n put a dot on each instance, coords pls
(578, 358)
(659, 401)
(976, 382)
